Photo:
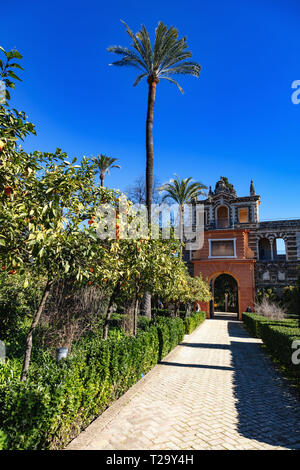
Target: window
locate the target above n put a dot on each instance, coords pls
(222, 248)
(279, 249)
(243, 215)
(222, 217)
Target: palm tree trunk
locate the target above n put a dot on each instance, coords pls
(181, 216)
(152, 82)
(149, 145)
(146, 305)
(31, 330)
(102, 179)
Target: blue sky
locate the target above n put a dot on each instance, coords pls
(236, 120)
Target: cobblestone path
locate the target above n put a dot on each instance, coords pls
(217, 390)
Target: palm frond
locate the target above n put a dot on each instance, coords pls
(136, 45)
(182, 191)
(168, 56)
(186, 68)
(104, 163)
(173, 81)
(130, 57)
(139, 78)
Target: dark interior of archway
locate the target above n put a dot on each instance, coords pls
(226, 286)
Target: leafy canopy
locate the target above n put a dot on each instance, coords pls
(166, 58)
(182, 191)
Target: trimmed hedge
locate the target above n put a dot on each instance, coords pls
(58, 400)
(277, 336)
(193, 321)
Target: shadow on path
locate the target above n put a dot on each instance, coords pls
(267, 410)
(200, 366)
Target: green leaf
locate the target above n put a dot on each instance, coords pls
(18, 66)
(16, 55)
(13, 75)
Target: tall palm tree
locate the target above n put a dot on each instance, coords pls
(104, 165)
(166, 58)
(182, 192)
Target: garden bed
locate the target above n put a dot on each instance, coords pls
(59, 400)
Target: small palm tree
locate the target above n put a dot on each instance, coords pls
(182, 192)
(166, 58)
(104, 165)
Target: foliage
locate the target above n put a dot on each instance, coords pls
(59, 399)
(193, 321)
(170, 333)
(13, 123)
(185, 290)
(161, 312)
(267, 293)
(183, 191)
(277, 336)
(165, 58)
(289, 299)
(227, 184)
(269, 309)
(104, 164)
(16, 302)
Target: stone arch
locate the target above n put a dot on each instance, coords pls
(212, 280)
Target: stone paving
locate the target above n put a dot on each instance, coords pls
(216, 390)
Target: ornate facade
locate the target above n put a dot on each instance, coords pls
(237, 243)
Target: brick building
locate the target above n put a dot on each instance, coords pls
(256, 255)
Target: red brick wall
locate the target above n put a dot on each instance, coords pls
(241, 268)
(241, 237)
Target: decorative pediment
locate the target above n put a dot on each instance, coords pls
(225, 188)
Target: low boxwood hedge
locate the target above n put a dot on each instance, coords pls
(58, 400)
(193, 321)
(277, 336)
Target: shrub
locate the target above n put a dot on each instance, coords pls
(193, 321)
(269, 309)
(143, 323)
(170, 332)
(58, 400)
(277, 336)
(160, 312)
(16, 302)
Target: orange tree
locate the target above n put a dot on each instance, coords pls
(48, 206)
(144, 265)
(185, 289)
(46, 222)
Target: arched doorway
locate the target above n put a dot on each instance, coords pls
(226, 296)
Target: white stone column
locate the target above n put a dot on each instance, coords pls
(233, 216)
(211, 216)
(271, 245)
